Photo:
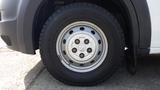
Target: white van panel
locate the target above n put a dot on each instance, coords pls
(154, 8)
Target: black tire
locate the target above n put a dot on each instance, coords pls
(81, 12)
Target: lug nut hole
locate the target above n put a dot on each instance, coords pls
(89, 50)
(77, 41)
(81, 55)
(86, 41)
(74, 50)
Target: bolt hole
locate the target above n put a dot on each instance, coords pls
(81, 65)
(93, 32)
(92, 61)
(99, 52)
(99, 41)
(82, 28)
(64, 52)
(70, 61)
(64, 41)
(71, 32)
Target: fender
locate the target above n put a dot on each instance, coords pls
(137, 11)
(25, 25)
(144, 26)
(140, 22)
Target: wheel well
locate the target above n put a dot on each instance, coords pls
(47, 7)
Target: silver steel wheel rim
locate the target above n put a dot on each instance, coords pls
(82, 46)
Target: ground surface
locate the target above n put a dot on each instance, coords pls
(19, 71)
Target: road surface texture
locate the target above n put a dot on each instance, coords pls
(19, 72)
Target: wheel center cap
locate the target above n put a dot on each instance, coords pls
(85, 40)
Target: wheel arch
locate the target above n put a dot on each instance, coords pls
(137, 11)
(144, 26)
(25, 19)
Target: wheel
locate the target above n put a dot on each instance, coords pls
(81, 44)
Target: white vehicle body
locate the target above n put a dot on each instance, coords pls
(155, 24)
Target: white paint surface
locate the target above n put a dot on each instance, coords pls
(154, 7)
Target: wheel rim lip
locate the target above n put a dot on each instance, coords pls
(101, 57)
